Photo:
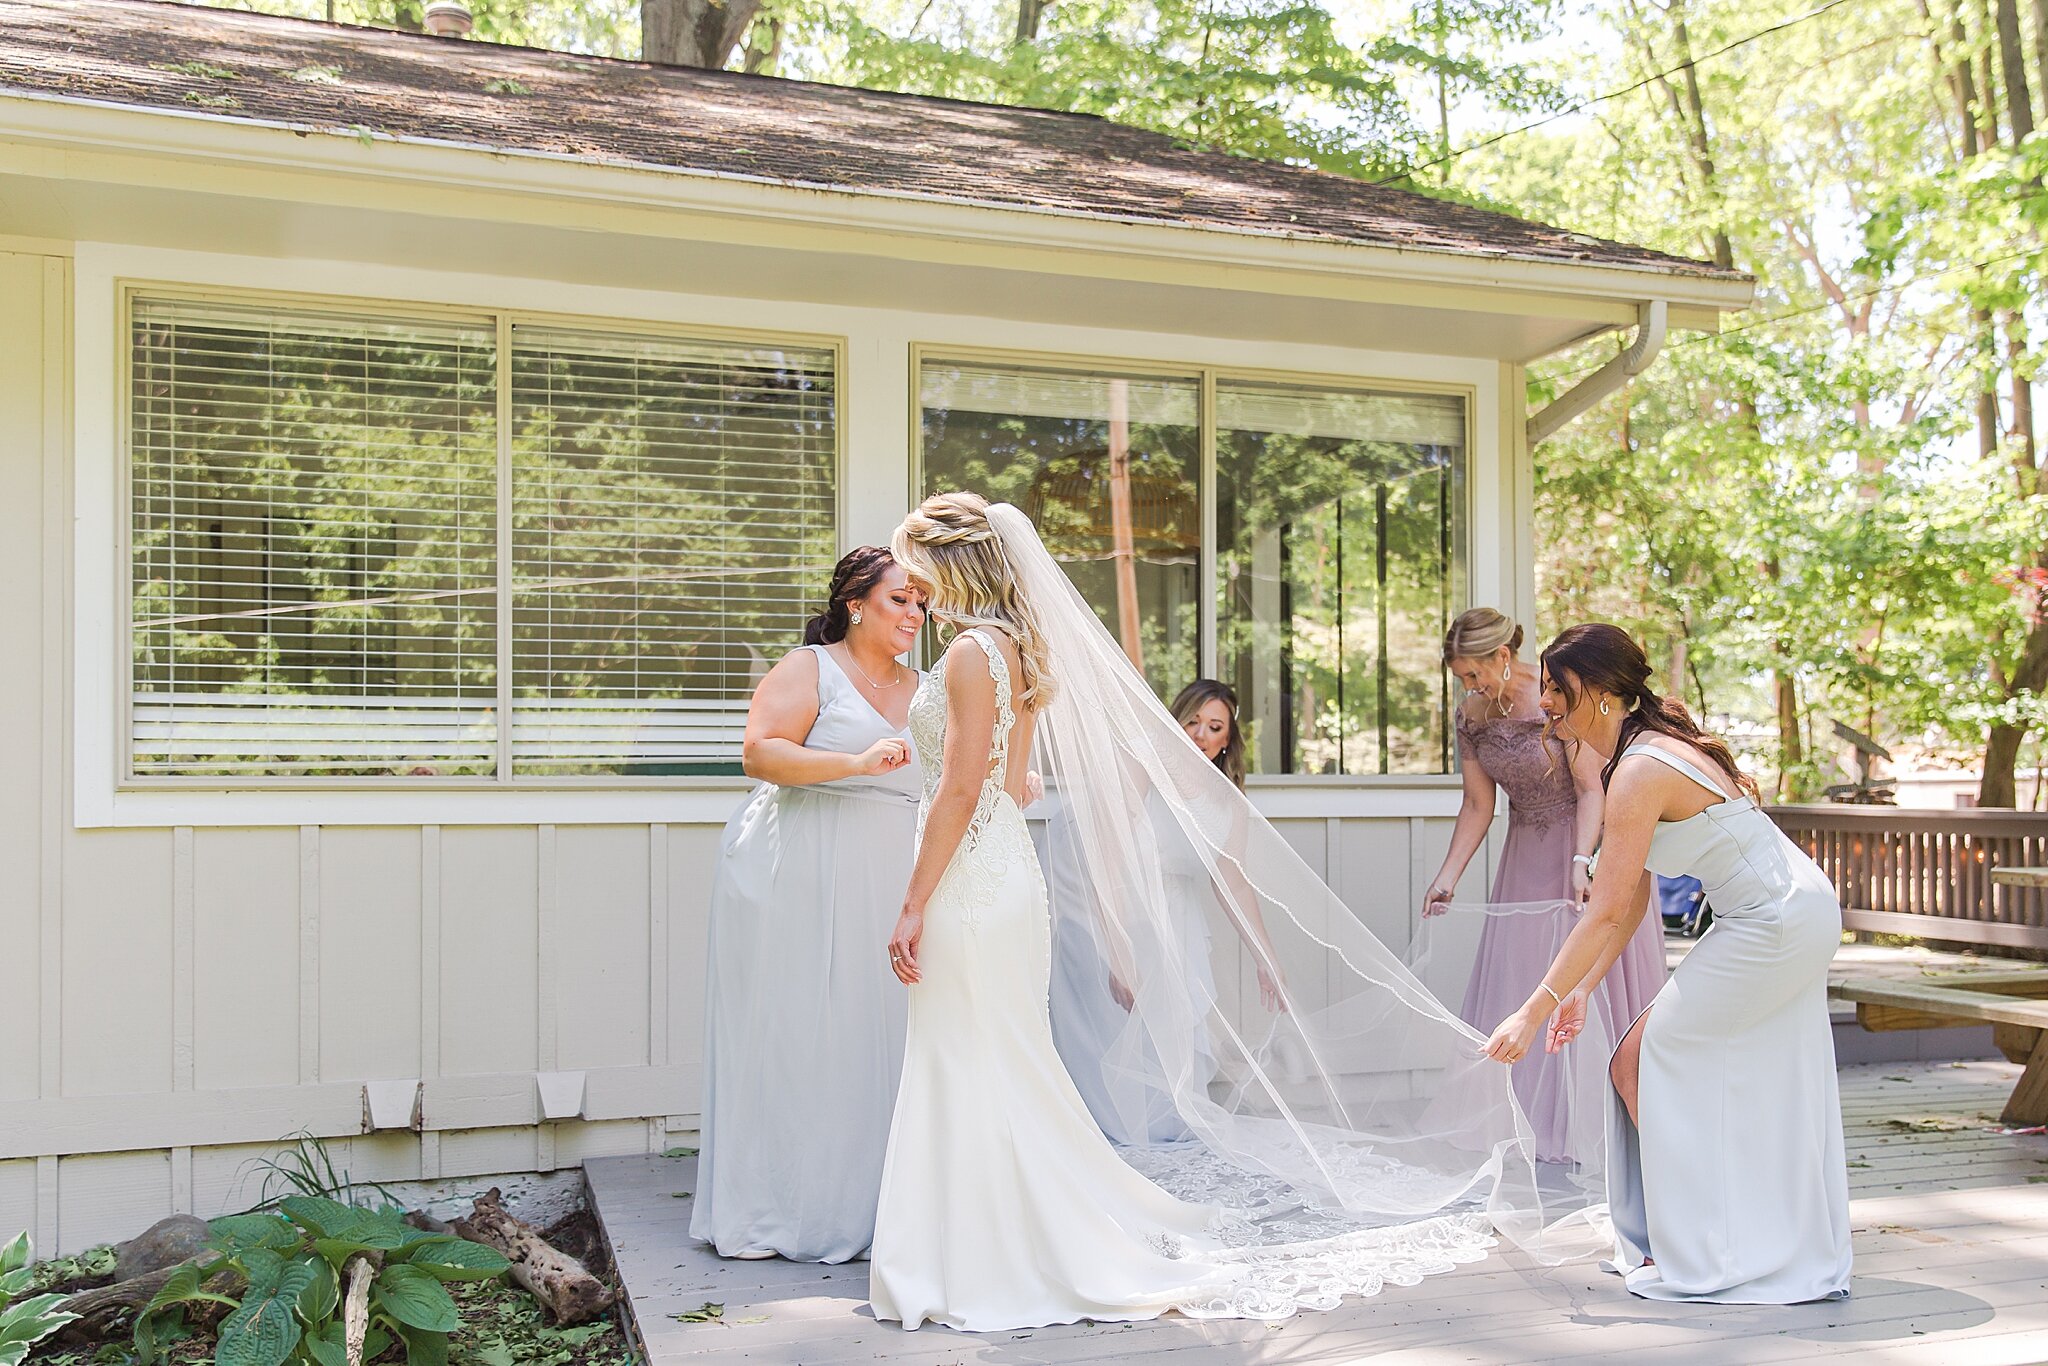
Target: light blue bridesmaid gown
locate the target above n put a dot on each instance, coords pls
(1113, 1064)
(803, 1020)
(1737, 1183)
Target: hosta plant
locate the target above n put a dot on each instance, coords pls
(24, 1323)
(293, 1268)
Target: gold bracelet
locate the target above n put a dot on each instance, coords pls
(1553, 993)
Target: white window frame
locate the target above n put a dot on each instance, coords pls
(878, 423)
(1206, 378)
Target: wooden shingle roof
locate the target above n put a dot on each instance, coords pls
(317, 77)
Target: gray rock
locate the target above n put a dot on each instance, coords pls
(164, 1243)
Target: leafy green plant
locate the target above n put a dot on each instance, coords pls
(24, 1323)
(296, 1266)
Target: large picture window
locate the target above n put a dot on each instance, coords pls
(1338, 518)
(327, 510)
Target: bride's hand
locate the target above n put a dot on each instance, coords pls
(1568, 1022)
(883, 756)
(903, 946)
(1034, 787)
(1515, 1036)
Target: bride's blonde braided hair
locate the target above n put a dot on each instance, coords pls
(948, 549)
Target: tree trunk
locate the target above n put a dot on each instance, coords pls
(1696, 135)
(2021, 432)
(2012, 60)
(2001, 752)
(763, 58)
(1790, 752)
(699, 33)
(2002, 744)
(1029, 14)
(1987, 86)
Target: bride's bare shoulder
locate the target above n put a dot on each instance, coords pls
(969, 643)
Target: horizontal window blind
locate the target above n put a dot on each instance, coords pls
(673, 529)
(313, 534)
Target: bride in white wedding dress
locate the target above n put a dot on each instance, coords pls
(1353, 1140)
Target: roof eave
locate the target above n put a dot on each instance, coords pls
(864, 221)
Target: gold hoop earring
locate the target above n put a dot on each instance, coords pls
(1603, 706)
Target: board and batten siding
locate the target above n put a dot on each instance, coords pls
(180, 998)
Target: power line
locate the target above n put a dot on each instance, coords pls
(1408, 172)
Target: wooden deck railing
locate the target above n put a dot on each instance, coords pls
(1902, 870)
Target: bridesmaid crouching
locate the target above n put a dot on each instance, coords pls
(803, 1021)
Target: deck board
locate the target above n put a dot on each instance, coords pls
(1951, 1234)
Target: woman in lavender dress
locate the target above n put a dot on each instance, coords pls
(1554, 808)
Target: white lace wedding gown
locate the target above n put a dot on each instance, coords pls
(1002, 1204)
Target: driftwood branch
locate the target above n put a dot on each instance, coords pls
(560, 1282)
(355, 1312)
(97, 1309)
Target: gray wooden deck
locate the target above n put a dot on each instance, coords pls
(1951, 1223)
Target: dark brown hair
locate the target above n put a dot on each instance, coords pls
(1199, 694)
(853, 578)
(1603, 657)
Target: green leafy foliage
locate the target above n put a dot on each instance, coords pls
(292, 1266)
(24, 1321)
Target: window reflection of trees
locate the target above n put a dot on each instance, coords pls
(1063, 471)
(1339, 563)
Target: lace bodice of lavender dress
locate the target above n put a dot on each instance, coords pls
(1532, 771)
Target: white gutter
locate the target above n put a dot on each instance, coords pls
(1650, 320)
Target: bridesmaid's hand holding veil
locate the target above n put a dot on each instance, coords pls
(1516, 1035)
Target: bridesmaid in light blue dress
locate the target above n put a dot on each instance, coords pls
(1726, 1174)
(803, 1021)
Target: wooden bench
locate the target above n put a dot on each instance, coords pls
(2014, 1004)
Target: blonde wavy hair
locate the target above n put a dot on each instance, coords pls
(1478, 633)
(948, 549)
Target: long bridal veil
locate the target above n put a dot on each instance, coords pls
(1226, 1016)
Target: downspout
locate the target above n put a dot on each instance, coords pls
(1650, 318)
